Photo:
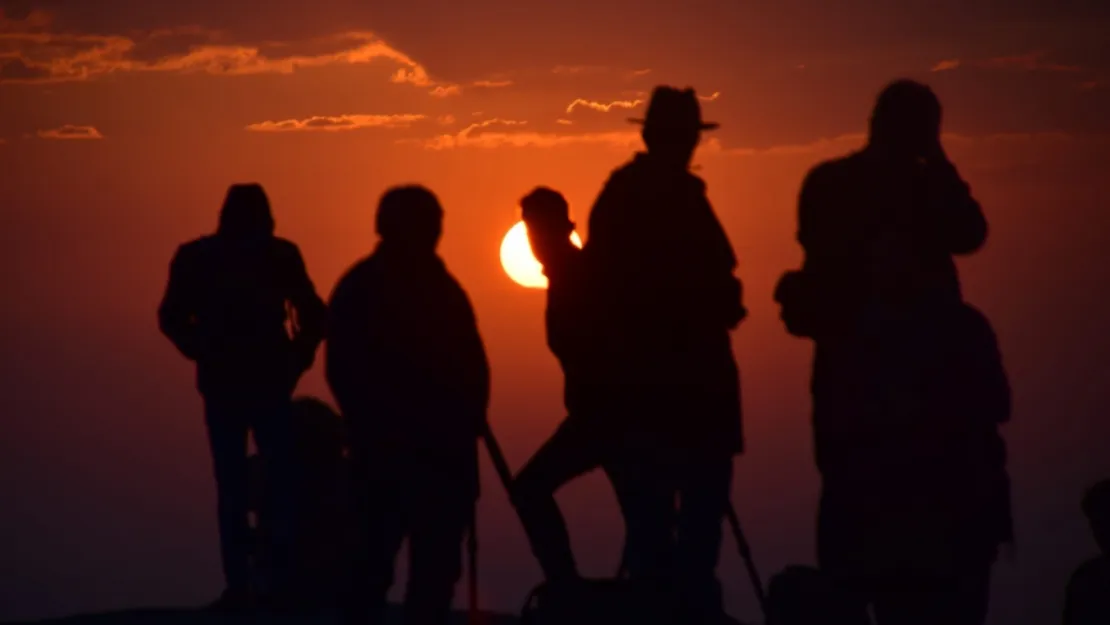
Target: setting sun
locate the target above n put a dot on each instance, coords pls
(518, 260)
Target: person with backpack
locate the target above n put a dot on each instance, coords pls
(909, 389)
(226, 306)
(406, 364)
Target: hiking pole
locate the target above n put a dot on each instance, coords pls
(506, 476)
(746, 555)
(498, 459)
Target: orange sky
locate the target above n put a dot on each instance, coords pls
(124, 122)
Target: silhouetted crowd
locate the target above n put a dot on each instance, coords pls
(908, 386)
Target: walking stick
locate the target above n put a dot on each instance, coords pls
(746, 555)
(506, 477)
(498, 459)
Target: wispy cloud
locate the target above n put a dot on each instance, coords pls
(1032, 62)
(492, 84)
(946, 65)
(70, 131)
(564, 122)
(477, 136)
(823, 146)
(710, 97)
(446, 91)
(335, 123)
(446, 120)
(31, 53)
(578, 69)
(604, 107)
(637, 73)
(996, 147)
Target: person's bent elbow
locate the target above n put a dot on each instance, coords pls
(972, 237)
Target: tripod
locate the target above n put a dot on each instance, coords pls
(501, 466)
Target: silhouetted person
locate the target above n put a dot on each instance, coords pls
(407, 366)
(1088, 593)
(226, 307)
(663, 268)
(908, 383)
(587, 438)
(325, 523)
(802, 595)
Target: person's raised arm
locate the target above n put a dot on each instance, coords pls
(798, 292)
(814, 227)
(177, 311)
(957, 219)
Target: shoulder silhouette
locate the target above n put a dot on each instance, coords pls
(1087, 601)
(227, 301)
(402, 332)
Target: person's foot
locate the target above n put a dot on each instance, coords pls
(232, 601)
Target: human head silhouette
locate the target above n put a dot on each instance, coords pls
(906, 120)
(1096, 506)
(246, 212)
(546, 216)
(673, 124)
(410, 219)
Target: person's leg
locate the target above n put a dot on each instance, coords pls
(704, 489)
(227, 438)
(840, 547)
(646, 496)
(905, 599)
(271, 419)
(441, 517)
(569, 453)
(973, 599)
(380, 526)
(958, 599)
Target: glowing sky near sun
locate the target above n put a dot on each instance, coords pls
(520, 262)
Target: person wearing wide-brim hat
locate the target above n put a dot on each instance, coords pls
(674, 109)
(664, 269)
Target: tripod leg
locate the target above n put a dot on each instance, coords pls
(746, 555)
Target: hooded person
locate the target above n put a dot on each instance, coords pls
(228, 301)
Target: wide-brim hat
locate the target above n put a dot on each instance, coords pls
(674, 108)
